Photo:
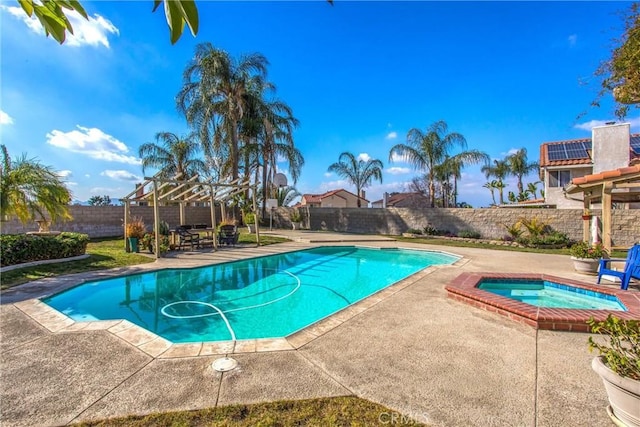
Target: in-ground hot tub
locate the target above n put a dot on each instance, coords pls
(506, 294)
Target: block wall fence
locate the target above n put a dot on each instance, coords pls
(107, 221)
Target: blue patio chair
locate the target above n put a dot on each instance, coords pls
(631, 267)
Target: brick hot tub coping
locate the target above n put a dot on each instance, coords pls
(465, 288)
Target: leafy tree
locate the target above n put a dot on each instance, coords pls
(99, 200)
(491, 186)
(52, 16)
(28, 188)
(358, 172)
(214, 99)
(519, 166)
(452, 167)
(172, 155)
(425, 150)
(532, 188)
(621, 73)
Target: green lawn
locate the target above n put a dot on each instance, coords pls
(335, 411)
(104, 254)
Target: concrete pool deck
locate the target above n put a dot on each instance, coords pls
(414, 350)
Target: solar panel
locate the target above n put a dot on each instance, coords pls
(635, 144)
(576, 150)
(556, 152)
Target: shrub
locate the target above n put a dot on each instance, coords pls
(554, 238)
(249, 218)
(21, 248)
(514, 230)
(135, 228)
(586, 250)
(469, 234)
(414, 231)
(296, 216)
(622, 353)
(430, 230)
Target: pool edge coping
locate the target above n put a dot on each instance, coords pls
(160, 348)
(464, 288)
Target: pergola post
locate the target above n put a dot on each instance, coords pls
(606, 215)
(213, 221)
(126, 221)
(586, 222)
(156, 219)
(255, 214)
(182, 206)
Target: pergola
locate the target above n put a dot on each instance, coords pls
(183, 192)
(607, 187)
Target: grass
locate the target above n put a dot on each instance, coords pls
(335, 411)
(103, 254)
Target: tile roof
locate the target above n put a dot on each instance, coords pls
(615, 173)
(398, 197)
(317, 198)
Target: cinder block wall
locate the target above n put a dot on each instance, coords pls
(490, 223)
(107, 221)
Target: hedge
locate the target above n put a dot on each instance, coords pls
(21, 248)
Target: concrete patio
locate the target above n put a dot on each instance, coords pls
(411, 349)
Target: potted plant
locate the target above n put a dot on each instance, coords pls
(619, 366)
(296, 219)
(250, 221)
(135, 230)
(586, 257)
(147, 241)
(586, 214)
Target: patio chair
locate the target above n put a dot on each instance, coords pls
(187, 238)
(631, 267)
(228, 235)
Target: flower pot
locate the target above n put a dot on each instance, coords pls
(133, 244)
(586, 217)
(623, 393)
(586, 265)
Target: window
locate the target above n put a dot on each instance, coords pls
(559, 178)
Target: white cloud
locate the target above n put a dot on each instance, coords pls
(94, 143)
(65, 173)
(572, 39)
(5, 119)
(391, 135)
(397, 170)
(120, 175)
(364, 157)
(634, 122)
(71, 184)
(397, 158)
(328, 174)
(86, 175)
(91, 32)
(336, 185)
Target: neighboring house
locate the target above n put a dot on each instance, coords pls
(610, 147)
(333, 199)
(402, 200)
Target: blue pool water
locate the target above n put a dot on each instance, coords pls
(265, 297)
(549, 294)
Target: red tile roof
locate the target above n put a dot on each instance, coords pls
(544, 153)
(398, 197)
(616, 173)
(317, 198)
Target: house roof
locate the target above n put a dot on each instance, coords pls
(578, 151)
(621, 184)
(398, 197)
(317, 198)
(596, 178)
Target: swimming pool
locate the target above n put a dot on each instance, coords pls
(264, 297)
(543, 293)
(483, 290)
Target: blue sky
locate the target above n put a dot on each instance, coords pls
(358, 76)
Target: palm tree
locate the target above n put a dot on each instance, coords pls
(532, 188)
(286, 195)
(358, 172)
(455, 164)
(491, 186)
(499, 170)
(213, 98)
(28, 188)
(519, 166)
(172, 155)
(426, 150)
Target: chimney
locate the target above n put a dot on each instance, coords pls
(385, 198)
(139, 190)
(362, 194)
(610, 146)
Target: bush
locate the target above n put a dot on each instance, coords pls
(622, 352)
(136, 228)
(469, 234)
(414, 231)
(554, 238)
(586, 250)
(21, 248)
(430, 230)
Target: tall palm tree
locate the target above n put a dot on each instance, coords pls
(532, 188)
(358, 172)
(172, 155)
(455, 164)
(28, 188)
(425, 150)
(519, 166)
(491, 186)
(213, 97)
(499, 171)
